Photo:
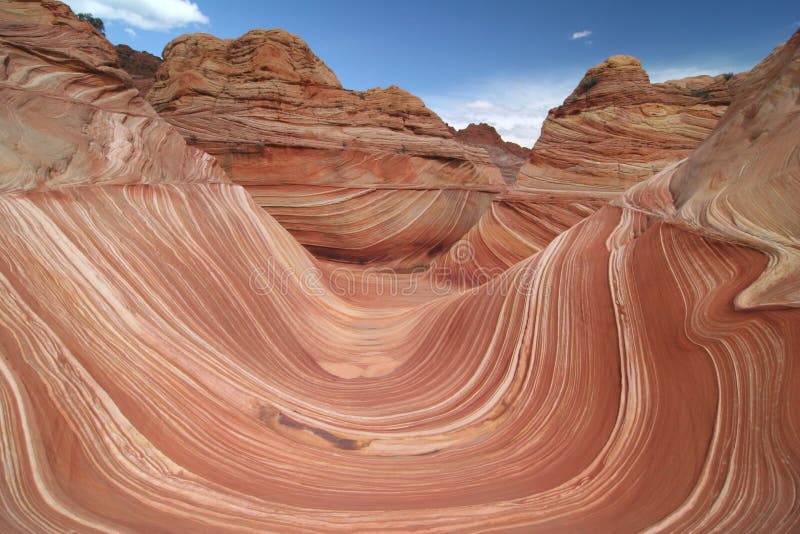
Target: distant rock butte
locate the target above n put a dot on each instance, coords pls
(617, 128)
(508, 156)
(141, 66)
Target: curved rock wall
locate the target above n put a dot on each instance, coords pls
(171, 360)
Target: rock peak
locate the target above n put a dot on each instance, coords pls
(621, 60)
(258, 54)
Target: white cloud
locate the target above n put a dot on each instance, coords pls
(516, 107)
(581, 35)
(143, 14)
(130, 32)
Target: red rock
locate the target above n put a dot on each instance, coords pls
(739, 185)
(508, 156)
(613, 131)
(616, 128)
(171, 359)
(71, 118)
(141, 66)
(275, 115)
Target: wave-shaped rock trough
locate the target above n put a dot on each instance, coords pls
(168, 364)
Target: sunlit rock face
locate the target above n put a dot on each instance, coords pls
(173, 360)
(742, 184)
(279, 122)
(71, 118)
(616, 128)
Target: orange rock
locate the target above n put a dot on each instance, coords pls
(741, 183)
(71, 118)
(616, 128)
(274, 114)
(508, 156)
(172, 359)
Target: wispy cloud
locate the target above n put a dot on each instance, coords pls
(582, 34)
(143, 14)
(516, 107)
(130, 32)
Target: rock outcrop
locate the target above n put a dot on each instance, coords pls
(171, 359)
(741, 184)
(616, 128)
(141, 66)
(613, 131)
(508, 156)
(71, 118)
(275, 115)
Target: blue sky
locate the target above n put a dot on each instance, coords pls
(502, 62)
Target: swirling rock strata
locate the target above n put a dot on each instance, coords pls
(275, 115)
(616, 128)
(613, 131)
(71, 118)
(168, 363)
(741, 183)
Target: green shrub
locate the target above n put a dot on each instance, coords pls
(97, 22)
(588, 83)
(701, 93)
(728, 76)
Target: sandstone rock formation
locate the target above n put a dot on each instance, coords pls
(741, 184)
(70, 118)
(616, 128)
(141, 66)
(275, 115)
(508, 156)
(170, 361)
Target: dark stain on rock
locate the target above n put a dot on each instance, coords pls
(340, 443)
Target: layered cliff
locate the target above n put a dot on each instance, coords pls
(508, 156)
(171, 359)
(71, 118)
(616, 128)
(141, 66)
(275, 115)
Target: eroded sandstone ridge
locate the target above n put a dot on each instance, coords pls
(171, 360)
(355, 175)
(508, 156)
(70, 118)
(613, 131)
(141, 66)
(616, 128)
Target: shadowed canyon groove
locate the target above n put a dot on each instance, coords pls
(155, 376)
